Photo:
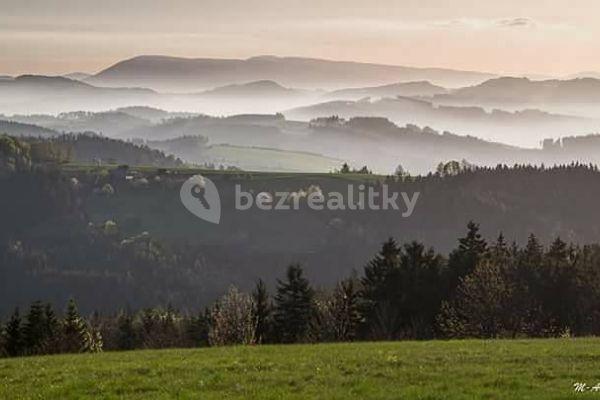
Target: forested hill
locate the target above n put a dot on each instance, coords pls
(14, 128)
(89, 148)
(86, 232)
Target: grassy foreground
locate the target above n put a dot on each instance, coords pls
(523, 369)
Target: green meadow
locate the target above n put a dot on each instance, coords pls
(472, 369)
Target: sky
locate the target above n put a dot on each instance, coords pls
(545, 37)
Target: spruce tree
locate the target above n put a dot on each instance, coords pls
(198, 328)
(527, 276)
(294, 307)
(462, 261)
(34, 330)
(377, 282)
(127, 338)
(379, 289)
(14, 335)
(74, 330)
(52, 331)
(419, 290)
(559, 293)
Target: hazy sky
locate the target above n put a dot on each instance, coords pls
(519, 36)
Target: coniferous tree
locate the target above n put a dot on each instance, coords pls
(587, 290)
(379, 287)
(294, 306)
(526, 277)
(34, 330)
(75, 335)
(471, 249)
(127, 336)
(500, 249)
(2, 341)
(559, 293)
(198, 328)
(52, 330)
(14, 335)
(419, 290)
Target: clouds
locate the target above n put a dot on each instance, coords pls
(481, 24)
(516, 23)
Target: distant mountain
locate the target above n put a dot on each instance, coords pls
(41, 82)
(165, 73)
(586, 74)
(408, 89)
(28, 94)
(108, 123)
(523, 128)
(53, 83)
(152, 114)
(525, 91)
(77, 76)
(252, 89)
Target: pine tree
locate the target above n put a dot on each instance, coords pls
(34, 330)
(559, 292)
(419, 290)
(471, 249)
(379, 289)
(52, 331)
(75, 333)
(526, 277)
(377, 274)
(127, 338)
(294, 307)
(198, 328)
(14, 335)
(500, 250)
(261, 312)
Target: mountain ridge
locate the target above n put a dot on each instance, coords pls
(166, 73)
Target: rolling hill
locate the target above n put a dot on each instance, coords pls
(404, 89)
(522, 128)
(524, 92)
(30, 94)
(252, 89)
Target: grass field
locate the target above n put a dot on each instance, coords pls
(523, 369)
(267, 159)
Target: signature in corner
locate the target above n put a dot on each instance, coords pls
(582, 387)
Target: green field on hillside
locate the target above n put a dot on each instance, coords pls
(268, 159)
(474, 369)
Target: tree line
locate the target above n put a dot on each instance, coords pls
(480, 290)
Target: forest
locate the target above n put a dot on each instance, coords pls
(406, 291)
